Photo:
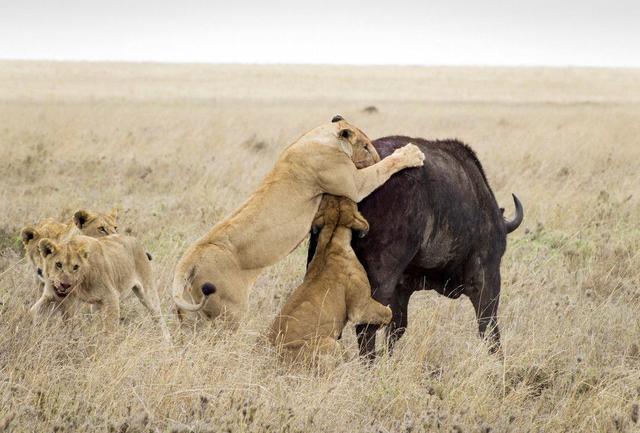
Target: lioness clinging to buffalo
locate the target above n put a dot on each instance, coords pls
(335, 288)
(335, 158)
(437, 227)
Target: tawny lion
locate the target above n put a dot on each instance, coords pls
(98, 272)
(335, 289)
(218, 270)
(84, 222)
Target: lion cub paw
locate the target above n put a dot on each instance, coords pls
(388, 315)
(410, 155)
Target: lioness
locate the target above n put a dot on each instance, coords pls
(335, 288)
(218, 270)
(84, 222)
(97, 271)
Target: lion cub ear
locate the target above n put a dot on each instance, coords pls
(318, 219)
(79, 246)
(28, 234)
(82, 217)
(47, 247)
(358, 223)
(114, 213)
(83, 252)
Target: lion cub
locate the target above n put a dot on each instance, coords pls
(97, 271)
(84, 222)
(335, 288)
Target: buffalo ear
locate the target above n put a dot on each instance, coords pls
(28, 234)
(82, 217)
(47, 247)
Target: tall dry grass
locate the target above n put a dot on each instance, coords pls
(178, 147)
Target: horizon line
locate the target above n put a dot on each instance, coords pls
(319, 64)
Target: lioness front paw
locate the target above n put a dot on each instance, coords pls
(410, 155)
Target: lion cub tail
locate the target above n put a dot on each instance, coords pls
(178, 289)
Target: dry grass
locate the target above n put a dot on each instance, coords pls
(178, 147)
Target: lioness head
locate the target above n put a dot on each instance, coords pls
(96, 224)
(340, 211)
(355, 143)
(65, 265)
(48, 228)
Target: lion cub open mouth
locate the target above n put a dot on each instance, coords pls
(62, 290)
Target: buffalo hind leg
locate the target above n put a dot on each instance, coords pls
(483, 288)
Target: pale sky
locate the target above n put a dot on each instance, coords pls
(453, 32)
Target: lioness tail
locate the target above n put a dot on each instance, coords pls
(207, 289)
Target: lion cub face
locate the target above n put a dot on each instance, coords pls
(356, 144)
(65, 265)
(90, 224)
(340, 212)
(48, 228)
(96, 225)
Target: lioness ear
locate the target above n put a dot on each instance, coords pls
(344, 141)
(114, 213)
(81, 217)
(28, 234)
(47, 247)
(345, 133)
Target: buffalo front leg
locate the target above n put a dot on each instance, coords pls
(398, 325)
(385, 280)
(367, 341)
(483, 289)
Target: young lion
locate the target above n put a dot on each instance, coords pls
(335, 288)
(84, 222)
(276, 218)
(97, 271)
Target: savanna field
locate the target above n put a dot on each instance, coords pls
(177, 148)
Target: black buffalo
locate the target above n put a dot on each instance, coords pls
(435, 227)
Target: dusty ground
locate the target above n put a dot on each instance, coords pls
(178, 147)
